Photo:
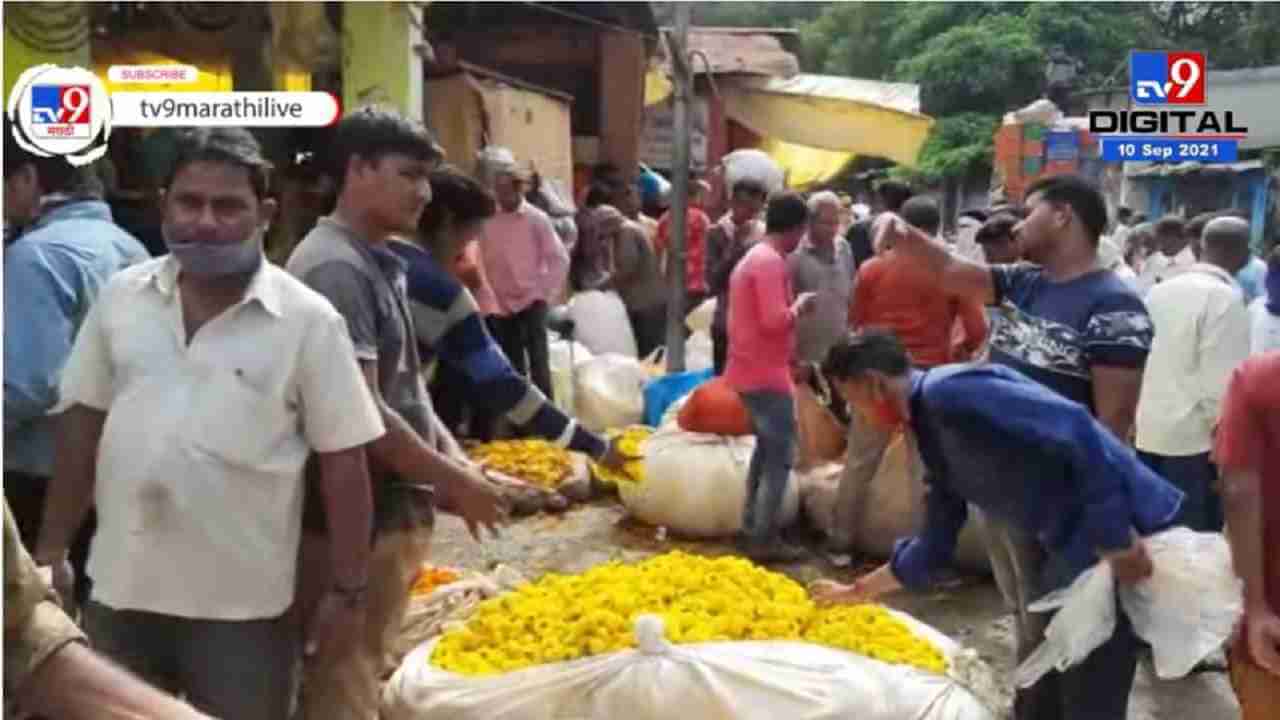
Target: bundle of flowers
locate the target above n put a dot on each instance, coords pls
(630, 445)
(535, 461)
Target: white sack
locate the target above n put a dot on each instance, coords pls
(696, 485)
(1186, 610)
(699, 352)
(708, 681)
(610, 392)
(700, 318)
(601, 323)
(562, 362)
(754, 165)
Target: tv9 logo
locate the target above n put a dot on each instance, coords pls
(1167, 78)
(60, 111)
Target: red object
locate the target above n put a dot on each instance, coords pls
(716, 409)
(695, 246)
(898, 294)
(1186, 78)
(1248, 434)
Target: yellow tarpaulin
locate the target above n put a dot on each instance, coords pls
(806, 166)
(843, 115)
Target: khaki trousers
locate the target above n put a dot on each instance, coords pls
(349, 686)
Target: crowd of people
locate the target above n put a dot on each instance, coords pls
(218, 457)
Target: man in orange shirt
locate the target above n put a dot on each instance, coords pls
(894, 293)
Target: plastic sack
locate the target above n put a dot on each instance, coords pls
(562, 360)
(609, 392)
(707, 681)
(700, 318)
(601, 323)
(1187, 610)
(661, 392)
(699, 351)
(750, 164)
(696, 485)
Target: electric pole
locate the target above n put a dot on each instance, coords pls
(677, 43)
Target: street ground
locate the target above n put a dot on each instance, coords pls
(969, 610)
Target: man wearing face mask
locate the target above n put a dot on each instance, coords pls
(198, 387)
(64, 249)
(977, 429)
(1066, 322)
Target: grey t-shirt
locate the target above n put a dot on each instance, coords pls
(832, 278)
(367, 284)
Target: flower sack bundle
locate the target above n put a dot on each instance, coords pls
(680, 635)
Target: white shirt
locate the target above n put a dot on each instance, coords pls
(1159, 267)
(1264, 331)
(199, 470)
(1201, 336)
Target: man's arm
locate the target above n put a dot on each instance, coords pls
(1224, 345)
(916, 560)
(956, 276)
(974, 322)
(1115, 396)
(79, 431)
(721, 259)
(76, 684)
(38, 328)
(1242, 502)
(554, 255)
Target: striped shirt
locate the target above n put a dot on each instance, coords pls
(449, 327)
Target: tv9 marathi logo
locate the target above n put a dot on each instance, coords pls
(60, 111)
(1167, 78)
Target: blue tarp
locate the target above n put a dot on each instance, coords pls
(661, 393)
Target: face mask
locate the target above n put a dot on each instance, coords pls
(884, 411)
(219, 260)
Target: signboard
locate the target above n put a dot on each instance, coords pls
(657, 142)
(1061, 146)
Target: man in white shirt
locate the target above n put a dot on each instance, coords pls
(1264, 312)
(1172, 255)
(1201, 336)
(199, 384)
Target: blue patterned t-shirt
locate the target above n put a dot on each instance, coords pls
(1054, 332)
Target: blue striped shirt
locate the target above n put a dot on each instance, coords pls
(449, 327)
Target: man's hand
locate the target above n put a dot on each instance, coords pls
(1132, 565)
(801, 373)
(865, 589)
(1263, 638)
(613, 457)
(63, 577)
(471, 496)
(335, 627)
(804, 304)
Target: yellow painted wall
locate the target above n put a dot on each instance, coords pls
(18, 57)
(378, 62)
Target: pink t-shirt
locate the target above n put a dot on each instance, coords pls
(762, 334)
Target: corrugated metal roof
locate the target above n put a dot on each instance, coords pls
(743, 51)
(1191, 167)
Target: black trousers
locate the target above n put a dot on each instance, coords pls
(26, 496)
(650, 327)
(719, 350)
(523, 337)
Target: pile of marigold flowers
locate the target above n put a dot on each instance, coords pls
(537, 462)
(700, 599)
(630, 446)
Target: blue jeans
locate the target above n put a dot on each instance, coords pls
(773, 420)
